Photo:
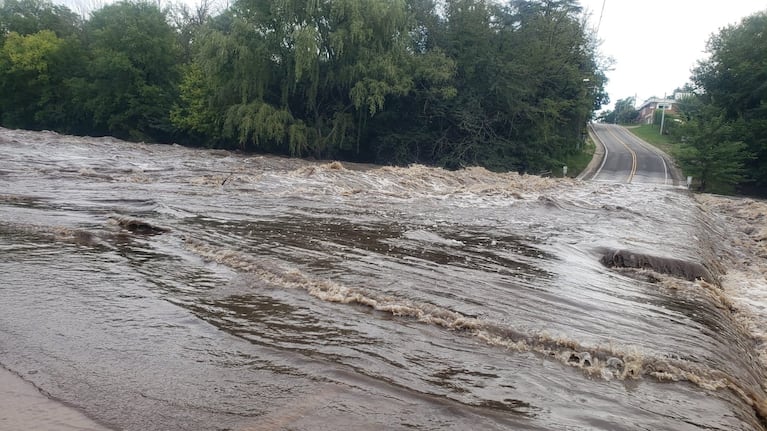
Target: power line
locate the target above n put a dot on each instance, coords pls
(599, 23)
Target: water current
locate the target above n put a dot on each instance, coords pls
(156, 287)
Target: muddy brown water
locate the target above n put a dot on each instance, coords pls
(155, 287)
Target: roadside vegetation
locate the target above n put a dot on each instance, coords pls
(577, 162)
(623, 113)
(719, 133)
(507, 86)
(650, 133)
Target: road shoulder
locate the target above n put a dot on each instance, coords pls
(24, 408)
(596, 160)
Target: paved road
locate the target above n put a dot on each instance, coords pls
(628, 159)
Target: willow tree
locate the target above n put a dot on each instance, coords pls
(475, 82)
(300, 77)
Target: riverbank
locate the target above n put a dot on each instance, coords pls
(26, 408)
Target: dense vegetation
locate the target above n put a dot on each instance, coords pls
(718, 133)
(623, 112)
(724, 124)
(460, 82)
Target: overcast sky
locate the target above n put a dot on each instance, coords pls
(655, 43)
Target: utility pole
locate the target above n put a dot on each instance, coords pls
(662, 117)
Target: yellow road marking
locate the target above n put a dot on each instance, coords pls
(633, 155)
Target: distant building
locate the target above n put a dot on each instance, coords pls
(648, 108)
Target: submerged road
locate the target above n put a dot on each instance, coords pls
(628, 159)
(158, 287)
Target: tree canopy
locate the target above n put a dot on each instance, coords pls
(133, 72)
(509, 86)
(624, 112)
(726, 132)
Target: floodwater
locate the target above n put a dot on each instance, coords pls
(155, 287)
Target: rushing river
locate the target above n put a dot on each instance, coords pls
(156, 287)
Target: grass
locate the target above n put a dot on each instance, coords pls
(651, 134)
(577, 162)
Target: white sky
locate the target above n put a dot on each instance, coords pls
(656, 43)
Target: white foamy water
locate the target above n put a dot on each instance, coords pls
(160, 287)
(741, 228)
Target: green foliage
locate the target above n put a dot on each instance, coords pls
(25, 75)
(624, 112)
(189, 24)
(711, 153)
(191, 112)
(39, 52)
(506, 86)
(321, 69)
(33, 74)
(133, 73)
(651, 134)
(578, 161)
(27, 17)
(732, 82)
(525, 84)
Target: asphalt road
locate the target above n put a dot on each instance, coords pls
(628, 159)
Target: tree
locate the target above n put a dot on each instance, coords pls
(526, 83)
(556, 57)
(25, 78)
(460, 82)
(133, 72)
(34, 73)
(188, 23)
(711, 152)
(192, 112)
(39, 52)
(507, 87)
(732, 80)
(27, 17)
(301, 78)
(624, 112)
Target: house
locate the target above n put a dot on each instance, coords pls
(648, 108)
